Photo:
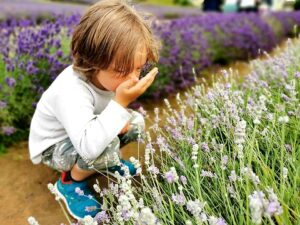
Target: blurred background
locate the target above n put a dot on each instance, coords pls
(160, 8)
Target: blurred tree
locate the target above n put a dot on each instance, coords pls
(182, 2)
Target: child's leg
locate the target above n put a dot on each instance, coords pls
(136, 127)
(72, 187)
(79, 174)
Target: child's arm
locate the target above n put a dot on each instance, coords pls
(91, 133)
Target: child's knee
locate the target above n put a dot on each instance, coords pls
(109, 157)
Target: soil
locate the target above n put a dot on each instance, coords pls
(24, 191)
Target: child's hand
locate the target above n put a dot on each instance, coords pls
(125, 129)
(131, 89)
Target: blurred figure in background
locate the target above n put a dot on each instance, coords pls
(249, 5)
(269, 2)
(212, 5)
(230, 6)
(297, 5)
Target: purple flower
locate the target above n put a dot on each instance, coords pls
(297, 75)
(8, 130)
(11, 82)
(273, 207)
(153, 170)
(179, 199)
(205, 147)
(102, 217)
(171, 176)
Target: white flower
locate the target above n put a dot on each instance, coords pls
(97, 188)
(32, 221)
(284, 172)
(188, 222)
(283, 119)
(257, 206)
(88, 220)
(256, 121)
(195, 207)
(233, 177)
(147, 217)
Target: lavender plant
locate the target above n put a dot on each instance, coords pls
(228, 155)
(32, 55)
(201, 41)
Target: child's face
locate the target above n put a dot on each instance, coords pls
(110, 79)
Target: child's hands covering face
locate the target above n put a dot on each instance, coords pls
(131, 89)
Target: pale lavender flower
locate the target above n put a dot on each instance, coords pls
(11, 82)
(2, 104)
(227, 85)
(8, 130)
(79, 191)
(216, 221)
(231, 191)
(205, 173)
(250, 174)
(171, 176)
(102, 217)
(297, 75)
(204, 147)
(147, 217)
(288, 147)
(153, 170)
(179, 199)
(142, 111)
(283, 119)
(183, 180)
(240, 132)
(233, 177)
(285, 98)
(273, 208)
(224, 161)
(257, 206)
(195, 207)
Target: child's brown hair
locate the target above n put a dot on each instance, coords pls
(111, 31)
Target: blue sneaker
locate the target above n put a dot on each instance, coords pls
(129, 165)
(78, 198)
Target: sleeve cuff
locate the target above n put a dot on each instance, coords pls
(115, 116)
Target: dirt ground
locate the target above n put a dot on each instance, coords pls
(24, 191)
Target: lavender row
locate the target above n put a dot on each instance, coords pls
(33, 53)
(197, 42)
(24, 9)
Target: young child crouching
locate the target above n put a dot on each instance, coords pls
(81, 119)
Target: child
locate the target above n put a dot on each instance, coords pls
(81, 119)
